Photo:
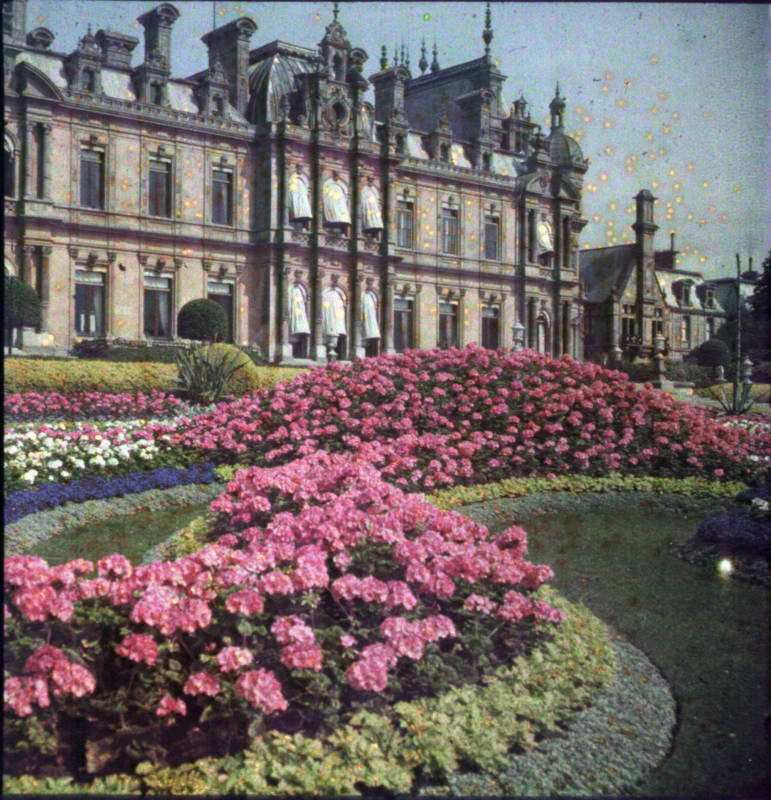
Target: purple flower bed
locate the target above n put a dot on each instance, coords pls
(30, 501)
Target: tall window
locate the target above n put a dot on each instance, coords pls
(687, 330)
(222, 197)
(404, 223)
(159, 204)
(222, 294)
(88, 80)
(490, 327)
(531, 235)
(710, 327)
(91, 178)
(89, 303)
(157, 306)
(657, 324)
(9, 169)
(449, 230)
(566, 242)
(627, 323)
(491, 238)
(403, 324)
(156, 94)
(686, 295)
(444, 153)
(448, 325)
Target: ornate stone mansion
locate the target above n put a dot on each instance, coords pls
(324, 225)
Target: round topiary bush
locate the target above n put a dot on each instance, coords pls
(202, 320)
(713, 353)
(22, 306)
(247, 378)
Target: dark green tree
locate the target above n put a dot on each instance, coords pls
(759, 322)
(203, 321)
(714, 352)
(22, 307)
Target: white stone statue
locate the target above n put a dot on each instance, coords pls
(545, 236)
(298, 318)
(369, 315)
(370, 208)
(335, 197)
(333, 312)
(299, 205)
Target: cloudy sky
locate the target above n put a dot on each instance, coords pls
(672, 96)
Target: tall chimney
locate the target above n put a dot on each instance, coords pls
(230, 45)
(157, 24)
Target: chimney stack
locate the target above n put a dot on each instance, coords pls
(157, 24)
(230, 45)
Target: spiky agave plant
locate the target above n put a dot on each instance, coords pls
(204, 373)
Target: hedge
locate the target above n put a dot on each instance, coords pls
(71, 376)
(68, 377)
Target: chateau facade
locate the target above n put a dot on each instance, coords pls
(325, 225)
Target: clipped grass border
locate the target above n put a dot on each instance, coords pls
(31, 530)
(459, 496)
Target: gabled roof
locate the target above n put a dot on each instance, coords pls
(604, 269)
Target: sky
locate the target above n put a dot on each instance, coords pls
(673, 97)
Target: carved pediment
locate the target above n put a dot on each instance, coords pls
(32, 82)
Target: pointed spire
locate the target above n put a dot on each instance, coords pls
(407, 61)
(402, 58)
(487, 34)
(383, 58)
(335, 10)
(423, 63)
(396, 56)
(557, 108)
(435, 62)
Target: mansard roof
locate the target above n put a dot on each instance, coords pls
(272, 71)
(564, 150)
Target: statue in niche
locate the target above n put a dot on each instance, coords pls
(299, 329)
(371, 329)
(335, 197)
(333, 318)
(298, 317)
(372, 219)
(299, 205)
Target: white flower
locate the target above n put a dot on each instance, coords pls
(113, 462)
(65, 474)
(55, 464)
(29, 476)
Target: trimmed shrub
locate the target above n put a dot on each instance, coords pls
(713, 353)
(202, 320)
(70, 377)
(22, 306)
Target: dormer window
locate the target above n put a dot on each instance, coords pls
(156, 94)
(219, 106)
(444, 153)
(88, 80)
(400, 143)
(686, 295)
(486, 160)
(710, 300)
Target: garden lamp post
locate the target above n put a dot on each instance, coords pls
(746, 373)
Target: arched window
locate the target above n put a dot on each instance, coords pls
(9, 167)
(337, 67)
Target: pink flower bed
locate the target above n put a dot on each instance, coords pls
(433, 419)
(325, 586)
(51, 405)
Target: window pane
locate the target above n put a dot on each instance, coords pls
(402, 324)
(89, 304)
(404, 224)
(159, 205)
(91, 179)
(222, 294)
(491, 239)
(448, 325)
(449, 230)
(490, 327)
(221, 197)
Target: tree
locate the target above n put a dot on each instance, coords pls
(759, 322)
(714, 352)
(203, 321)
(22, 307)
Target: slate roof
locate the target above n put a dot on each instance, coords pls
(272, 74)
(563, 149)
(605, 269)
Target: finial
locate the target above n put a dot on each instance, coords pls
(335, 10)
(402, 59)
(383, 58)
(396, 56)
(407, 60)
(423, 63)
(558, 88)
(435, 62)
(487, 35)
